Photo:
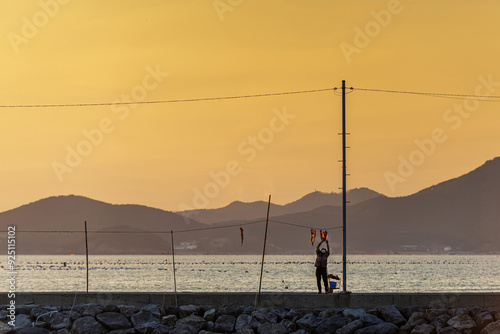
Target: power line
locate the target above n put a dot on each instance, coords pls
(489, 98)
(166, 101)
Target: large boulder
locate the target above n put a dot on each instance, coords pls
(60, 321)
(225, 323)
(33, 330)
(144, 321)
(169, 320)
(391, 314)
(382, 328)
(22, 321)
(244, 321)
(492, 328)
(424, 329)
(309, 322)
(161, 329)
(483, 319)
(350, 328)
(88, 324)
(113, 320)
(186, 310)
(416, 319)
(209, 315)
(153, 309)
(331, 325)
(194, 322)
(6, 329)
(370, 320)
(353, 313)
(449, 330)
(462, 323)
(264, 316)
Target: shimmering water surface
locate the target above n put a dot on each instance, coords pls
(236, 273)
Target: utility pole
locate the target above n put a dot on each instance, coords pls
(344, 194)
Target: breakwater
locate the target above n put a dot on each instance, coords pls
(154, 318)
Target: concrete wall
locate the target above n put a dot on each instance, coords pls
(268, 300)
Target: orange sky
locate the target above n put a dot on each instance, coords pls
(166, 155)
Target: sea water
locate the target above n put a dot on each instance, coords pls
(237, 273)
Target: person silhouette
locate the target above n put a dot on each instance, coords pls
(321, 265)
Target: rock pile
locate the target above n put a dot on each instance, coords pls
(191, 319)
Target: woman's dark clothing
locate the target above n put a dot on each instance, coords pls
(321, 273)
(321, 264)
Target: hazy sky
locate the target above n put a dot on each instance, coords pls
(210, 153)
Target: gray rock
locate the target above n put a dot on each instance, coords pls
(495, 312)
(33, 330)
(271, 328)
(424, 329)
(6, 329)
(123, 331)
(407, 311)
(462, 322)
(289, 325)
(492, 328)
(168, 310)
(225, 323)
(63, 331)
(90, 310)
(433, 313)
(440, 321)
(210, 326)
(243, 321)
(127, 311)
(230, 310)
(281, 313)
(458, 311)
(113, 320)
(354, 313)
(448, 330)
(194, 322)
(249, 310)
(186, 310)
(416, 319)
(382, 328)
(37, 311)
(25, 309)
(246, 331)
(72, 315)
(144, 321)
(264, 316)
(391, 314)
(309, 322)
(293, 314)
(300, 331)
(370, 320)
(207, 332)
(483, 319)
(331, 325)
(162, 329)
(350, 328)
(328, 313)
(86, 325)
(169, 320)
(22, 321)
(209, 315)
(153, 309)
(60, 321)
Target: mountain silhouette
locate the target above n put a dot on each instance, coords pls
(460, 215)
(254, 210)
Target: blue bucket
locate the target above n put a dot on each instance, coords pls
(333, 285)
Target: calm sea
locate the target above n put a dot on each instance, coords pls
(217, 273)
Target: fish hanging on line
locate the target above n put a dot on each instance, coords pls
(324, 235)
(313, 236)
(241, 231)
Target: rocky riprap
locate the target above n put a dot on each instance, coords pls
(191, 319)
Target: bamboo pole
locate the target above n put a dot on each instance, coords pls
(87, 260)
(257, 301)
(173, 264)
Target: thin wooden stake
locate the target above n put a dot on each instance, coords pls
(173, 264)
(257, 301)
(87, 259)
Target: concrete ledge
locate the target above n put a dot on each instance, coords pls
(268, 300)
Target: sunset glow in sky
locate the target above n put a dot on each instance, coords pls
(206, 154)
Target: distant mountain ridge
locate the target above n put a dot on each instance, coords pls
(460, 215)
(253, 210)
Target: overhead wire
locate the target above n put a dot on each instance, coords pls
(55, 105)
(488, 98)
